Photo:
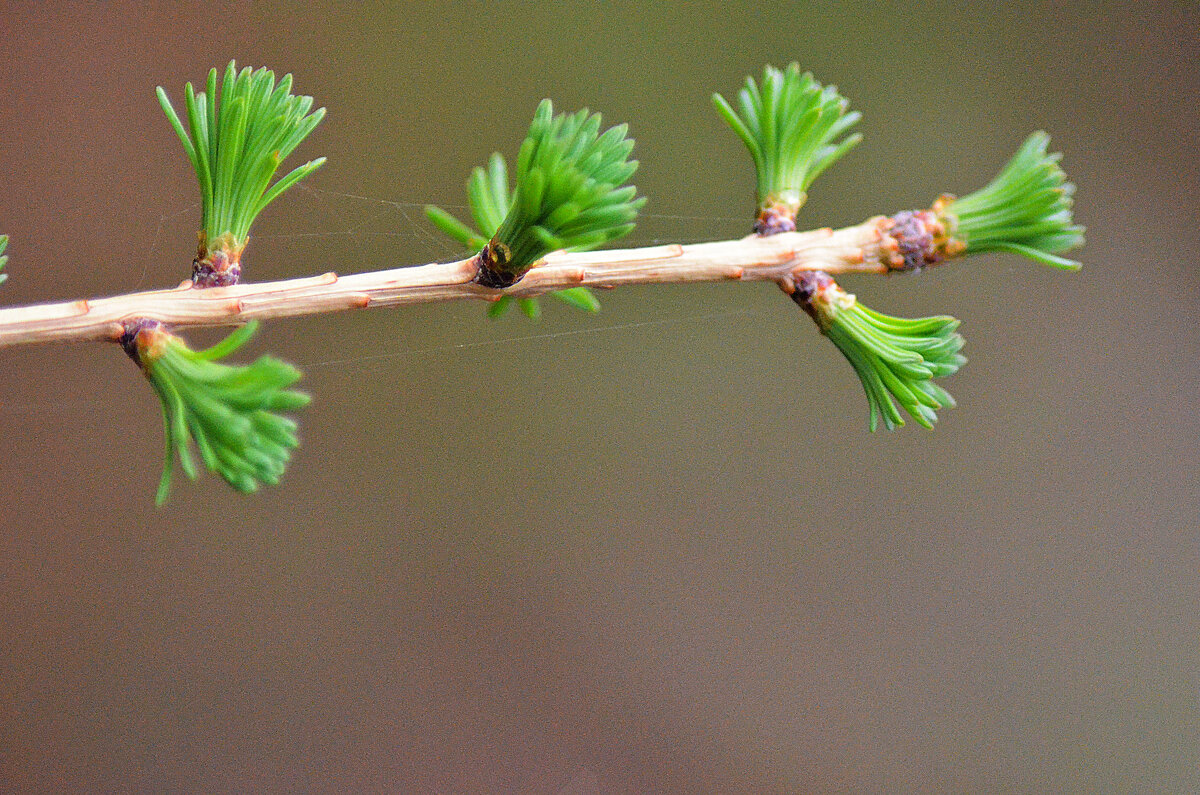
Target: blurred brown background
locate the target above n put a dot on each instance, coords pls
(704, 575)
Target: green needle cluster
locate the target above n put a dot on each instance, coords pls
(570, 194)
(793, 127)
(490, 201)
(3, 259)
(1025, 210)
(229, 412)
(236, 142)
(895, 358)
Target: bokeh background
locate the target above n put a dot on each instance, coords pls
(650, 551)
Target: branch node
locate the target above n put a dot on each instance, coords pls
(775, 218)
(131, 340)
(916, 238)
(218, 265)
(493, 267)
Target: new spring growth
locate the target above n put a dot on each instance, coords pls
(895, 358)
(570, 194)
(230, 413)
(490, 201)
(569, 191)
(236, 142)
(1025, 210)
(793, 127)
(3, 259)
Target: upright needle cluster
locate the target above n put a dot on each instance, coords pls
(793, 127)
(237, 141)
(490, 201)
(570, 194)
(3, 259)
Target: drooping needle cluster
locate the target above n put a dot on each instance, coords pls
(893, 357)
(230, 413)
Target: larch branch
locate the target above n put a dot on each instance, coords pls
(864, 248)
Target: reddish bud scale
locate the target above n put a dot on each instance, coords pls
(816, 293)
(141, 339)
(218, 263)
(922, 237)
(775, 218)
